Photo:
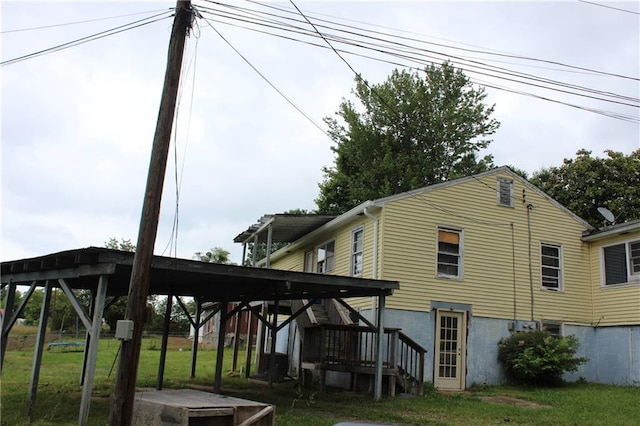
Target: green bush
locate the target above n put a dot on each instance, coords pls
(538, 358)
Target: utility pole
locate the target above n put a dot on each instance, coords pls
(121, 409)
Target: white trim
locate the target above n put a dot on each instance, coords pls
(460, 231)
(560, 266)
(352, 252)
(632, 279)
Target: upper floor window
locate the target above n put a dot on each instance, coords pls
(505, 192)
(551, 264)
(325, 256)
(449, 252)
(357, 246)
(621, 263)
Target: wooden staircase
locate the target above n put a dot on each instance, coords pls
(332, 342)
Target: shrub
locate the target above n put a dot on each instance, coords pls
(538, 358)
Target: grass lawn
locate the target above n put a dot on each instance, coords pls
(58, 397)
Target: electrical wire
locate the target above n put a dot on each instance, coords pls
(273, 22)
(78, 22)
(609, 7)
(93, 37)
(244, 58)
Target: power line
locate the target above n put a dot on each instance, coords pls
(609, 7)
(262, 75)
(271, 24)
(93, 37)
(77, 22)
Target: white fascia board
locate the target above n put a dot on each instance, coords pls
(618, 230)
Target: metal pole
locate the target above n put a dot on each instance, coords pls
(377, 393)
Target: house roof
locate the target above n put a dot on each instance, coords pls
(81, 269)
(612, 230)
(285, 228)
(373, 205)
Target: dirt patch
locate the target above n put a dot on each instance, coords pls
(513, 401)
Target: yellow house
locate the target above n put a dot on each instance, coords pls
(478, 258)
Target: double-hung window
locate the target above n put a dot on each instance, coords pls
(357, 247)
(621, 263)
(449, 252)
(325, 256)
(551, 266)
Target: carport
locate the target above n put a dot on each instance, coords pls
(106, 273)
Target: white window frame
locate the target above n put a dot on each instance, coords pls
(460, 253)
(559, 268)
(633, 277)
(355, 252)
(547, 324)
(308, 261)
(325, 263)
(504, 181)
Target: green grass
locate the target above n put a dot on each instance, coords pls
(59, 392)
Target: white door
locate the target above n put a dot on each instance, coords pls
(449, 372)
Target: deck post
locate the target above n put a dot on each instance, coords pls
(377, 392)
(247, 369)
(274, 332)
(6, 320)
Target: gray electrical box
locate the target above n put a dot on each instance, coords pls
(124, 329)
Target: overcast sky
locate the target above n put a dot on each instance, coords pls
(78, 123)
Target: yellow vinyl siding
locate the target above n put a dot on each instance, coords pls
(487, 283)
(615, 304)
(291, 262)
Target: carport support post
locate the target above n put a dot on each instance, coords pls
(236, 340)
(247, 369)
(165, 341)
(222, 326)
(377, 392)
(6, 320)
(37, 356)
(274, 332)
(196, 337)
(92, 352)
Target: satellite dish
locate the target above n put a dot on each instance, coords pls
(606, 213)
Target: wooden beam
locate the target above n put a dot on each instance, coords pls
(37, 356)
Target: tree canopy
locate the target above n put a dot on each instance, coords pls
(215, 255)
(585, 183)
(410, 131)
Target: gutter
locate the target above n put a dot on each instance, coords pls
(374, 273)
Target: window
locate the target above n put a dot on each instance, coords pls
(552, 327)
(357, 245)
(505, 192)
(551, 263)
(621, 263)
(325, 257)
(449, 253)
(308, 261)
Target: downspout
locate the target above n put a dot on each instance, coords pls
(374, 273)
(529, 208)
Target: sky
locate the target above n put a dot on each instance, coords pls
(78, 123)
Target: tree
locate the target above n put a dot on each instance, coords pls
(215, 255)
(586, 183)
(124, 245)
(413, 131)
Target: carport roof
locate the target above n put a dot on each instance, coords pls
(285, 228)
(80, 268)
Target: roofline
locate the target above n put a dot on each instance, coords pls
(613, 230)
(343, 219)
(380, 202)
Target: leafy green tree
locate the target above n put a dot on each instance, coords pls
(215, 255)
(585, 183)
(411, 131)
(124, 245)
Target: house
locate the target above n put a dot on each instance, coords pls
(478, 258)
